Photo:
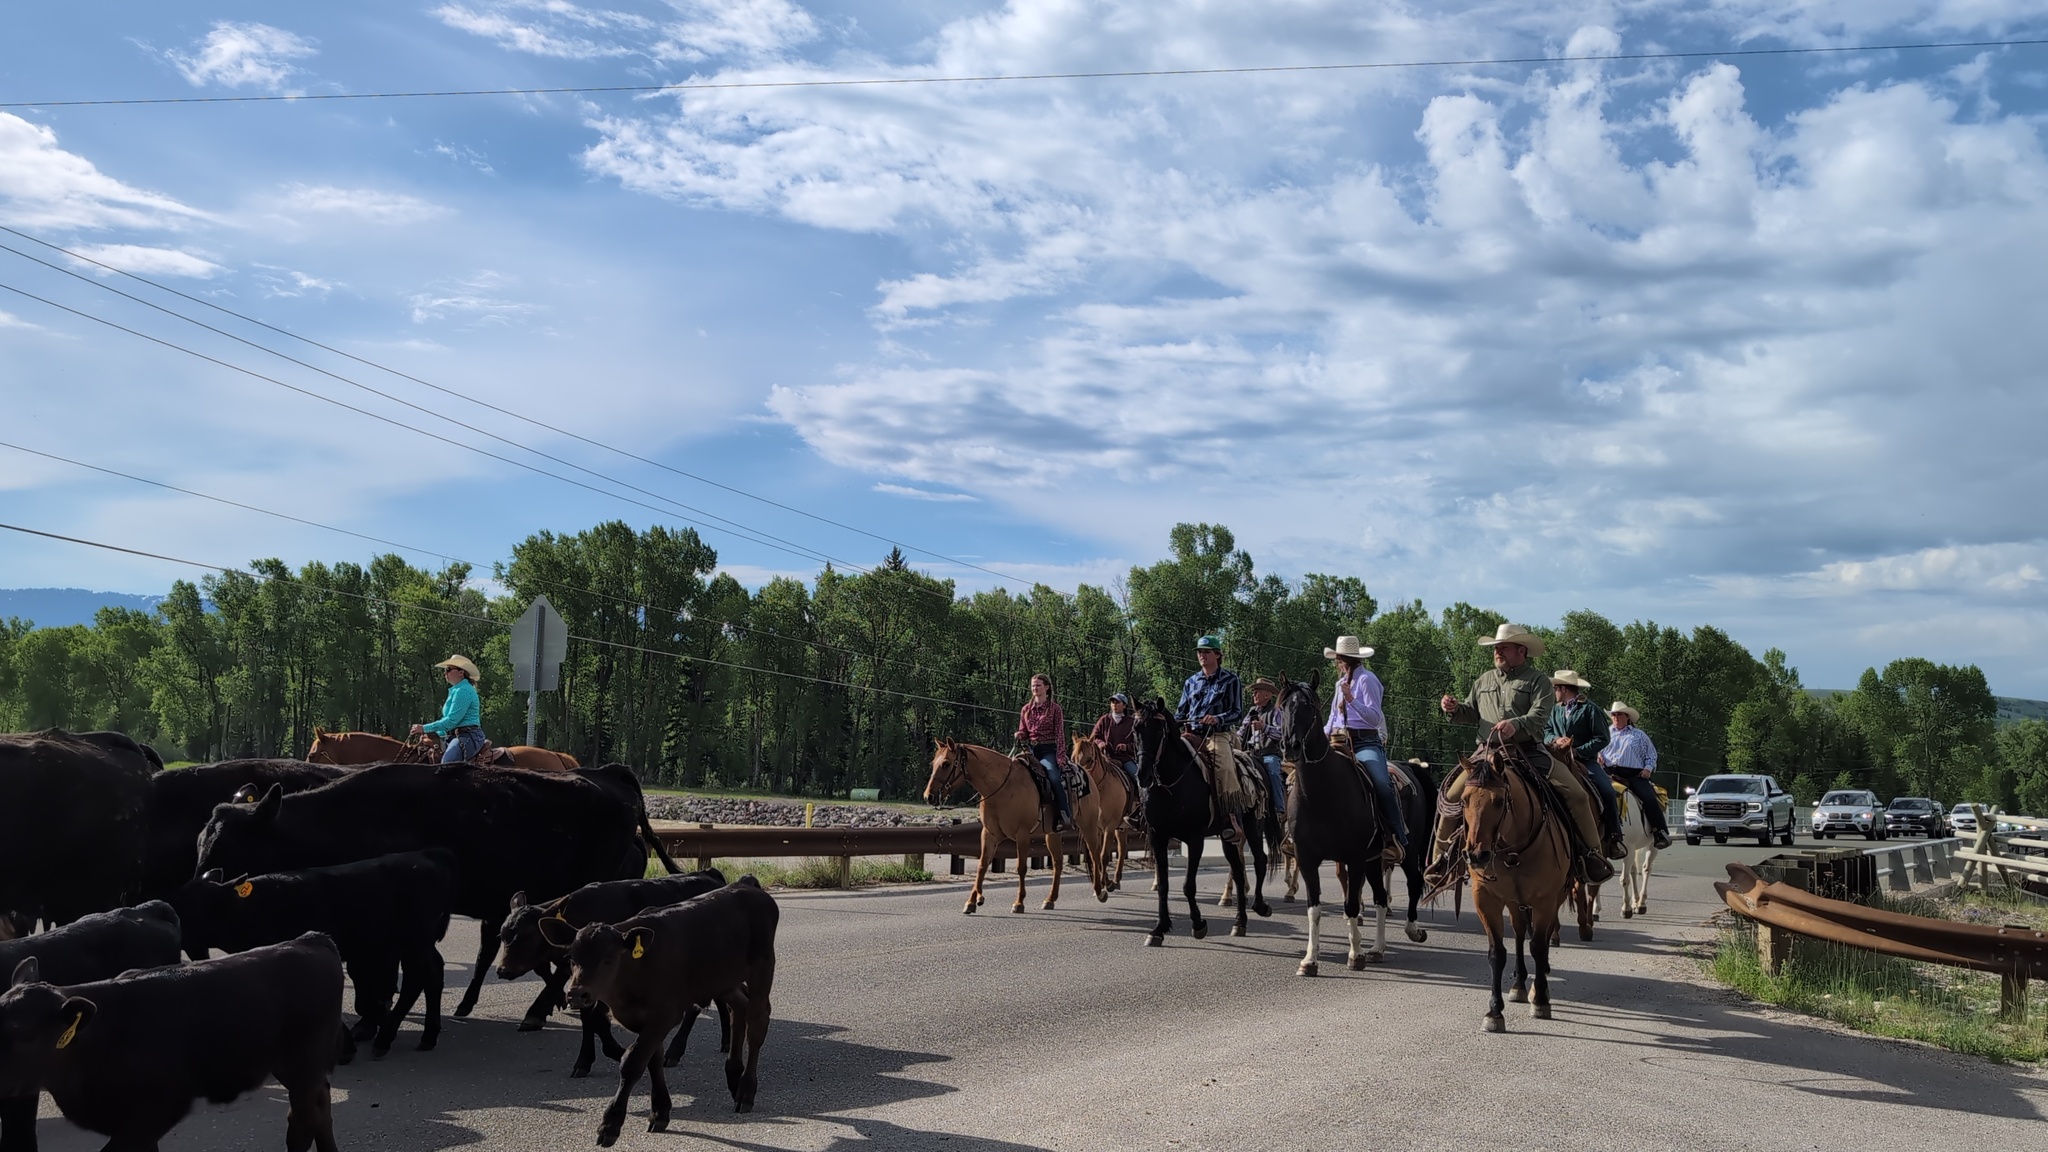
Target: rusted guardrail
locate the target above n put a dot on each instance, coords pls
(959, 841)
(1781, 911)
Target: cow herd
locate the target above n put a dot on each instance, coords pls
(305, 874)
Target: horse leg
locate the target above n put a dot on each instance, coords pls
(1353, 879)
(1123, 853)
(988, 852)
(1496, 957)
(1314, 880)
(1165, 922)
(1199, 926)
(1233, 855)
(1023, 866)
(1380, 911)
(1540, 1009)
(1055, 844)
(1259, 904)
(1583, 905)
(1520, 917)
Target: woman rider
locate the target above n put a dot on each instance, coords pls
(1355, 708)
(1117, 731)
(1042, 726)
(462, 718)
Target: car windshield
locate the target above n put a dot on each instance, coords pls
(1963, 810)
(1911, 805)
(1730, 786)
(1847, 799)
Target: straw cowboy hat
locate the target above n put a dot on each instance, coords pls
(1573, 679)
(467, 665)
(1262, 682)
(1619, 708)
(1515, 634)
(1347, 646)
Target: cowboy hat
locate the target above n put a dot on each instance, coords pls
(1210, 641)
(1262, 682)
(1569, 677)
(1515, 634)
(467, 665)
(1347, 646)
(1634, 717)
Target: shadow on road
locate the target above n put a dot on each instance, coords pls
(868, 1135)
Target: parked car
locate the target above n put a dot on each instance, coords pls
(1916, 814)
(1963, 818)
(1846, 812)
(1725, 806)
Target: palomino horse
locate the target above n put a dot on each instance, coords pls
(1178, 807)
(1635, 865)
(1100, 815)
(1520, 858)
(1011, 810)
(1332, 814)
(377, 748)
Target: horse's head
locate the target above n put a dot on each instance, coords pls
(1087, 754)
(1297, 712)
(320, 752)
(1489, 808)
(949, 771)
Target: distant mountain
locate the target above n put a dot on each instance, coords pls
(56, 607)
(2011, 709)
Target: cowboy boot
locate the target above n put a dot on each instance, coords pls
(1448, 829)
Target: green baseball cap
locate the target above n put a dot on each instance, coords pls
(1210, 641)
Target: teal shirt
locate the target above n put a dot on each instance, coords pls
(463, 710)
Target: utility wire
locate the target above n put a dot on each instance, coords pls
(1129, 74)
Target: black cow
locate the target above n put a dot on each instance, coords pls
(659, 966)
(182, 801)
(127, 1057)
(523, 949)
(543, 833)
(386, 915)
(96, 947)
(74, 809)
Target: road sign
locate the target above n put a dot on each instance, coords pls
(540, 642)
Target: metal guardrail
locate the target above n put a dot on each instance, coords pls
(958, 841)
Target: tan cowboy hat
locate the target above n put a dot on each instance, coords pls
(1268, 685)
(1634, 717)
(1569, 677)
(464, 663)
(1348, 646)
(1515, 634)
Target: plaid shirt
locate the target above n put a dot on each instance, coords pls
(1220, 696)
(1629, 747)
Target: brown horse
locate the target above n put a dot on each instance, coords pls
(377, 748)
(1010, 810)
(1100, 815)
(1520, 858)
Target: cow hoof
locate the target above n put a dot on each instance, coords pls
(362, 1030)
(579, 1072)
(657, 1123)
(1237, 930)
(1495, 1024)
(607, 1136)
(532, 1024)
(1540, 1011)
(462, 1010)
(1201, 931)
(1518, 995)
(380, 1051)
(1307, 968)
(1263, 908)
(1627, 913)
(672, 1061)
(427, 1043)
(1419, 935)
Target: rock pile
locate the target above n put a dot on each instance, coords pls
(790, 814)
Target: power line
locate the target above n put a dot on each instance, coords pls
(1129, 74)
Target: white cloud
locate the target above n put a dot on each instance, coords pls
(541, 27)
(237, 55)
(474, 300)
(699, 30)
(370, 204)
(10, 320)
(148, 261)
(908, 492)
(44, 186)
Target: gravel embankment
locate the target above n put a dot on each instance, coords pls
(790, 814)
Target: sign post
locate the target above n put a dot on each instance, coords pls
(540, 642)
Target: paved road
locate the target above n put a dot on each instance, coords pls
(901, 1024)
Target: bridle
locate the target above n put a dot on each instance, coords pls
(1508, 857)
(955, 776)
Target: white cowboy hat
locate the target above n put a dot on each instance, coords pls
(464, 663)
(1567, 676)
(1348, 646)
(1634, 717)
(1515, 634)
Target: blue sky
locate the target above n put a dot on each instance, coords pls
(1748, 341)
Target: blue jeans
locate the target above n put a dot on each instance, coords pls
(463, 744)
(1048, 755)
(1603, 787)
(1271, 761)
(1374, 756)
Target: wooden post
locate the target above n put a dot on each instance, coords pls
(703, 862)
(845, 879)
(1773, 945)
(2012, 997)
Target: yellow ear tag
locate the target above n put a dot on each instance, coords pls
(64, 1041)
(244, 888)
(639, 949)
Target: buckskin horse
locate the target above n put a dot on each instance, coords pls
(1178, 807)
(377, 748)
(1519, 854)
(1100, 815)
(1332, 814)
(1011, 810)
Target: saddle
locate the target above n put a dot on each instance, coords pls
(1071, 775)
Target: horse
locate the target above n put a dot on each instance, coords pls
(1635, 865)
(1332, 814)
(1418, 811)
(1520, 857)
(1011, 810)
(1178, 807)
(1100, 816)
(377, 748)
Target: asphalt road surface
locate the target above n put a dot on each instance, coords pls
(902, 1024)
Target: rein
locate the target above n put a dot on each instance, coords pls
(1511, 857)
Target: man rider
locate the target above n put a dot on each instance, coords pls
(1260, 735)
(1211, 704)
(1512, 701)
(1577, 729)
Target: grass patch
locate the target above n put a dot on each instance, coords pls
(812, 872)
(1954, 1008)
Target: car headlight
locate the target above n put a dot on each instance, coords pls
(1755, 807)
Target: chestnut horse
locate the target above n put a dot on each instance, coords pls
(1011, 810)
(1100, 815)
(377, 748)
(1519, 853)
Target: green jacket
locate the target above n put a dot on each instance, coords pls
(1523, 695)
(1584, 723)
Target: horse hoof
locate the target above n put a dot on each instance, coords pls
(1017, 907)
(1495, 1024)
(580, 1072)
(1201, 931)
(1102, 895)
(1419, 935)
(1585, 933)
(1540, 1012)
(1155, 940)
(1237, 930)
(1518, 995)
(1627, 913)
(1377, 956)
(982, 899)
(1288, 899)
(1596, 917)
(1356, 963)
(1642, 909)
(969, 909)
(531, 1025)
(1307, 968)
(1045, 907)
(1263, 908)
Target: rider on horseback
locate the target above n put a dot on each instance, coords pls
(1578, 730)
(1513, 701)
(462, 718)
(1042, 725)
(1211, 704)
(1117, 732)
(1632, 759)
(1260, 735)
(1355, 708)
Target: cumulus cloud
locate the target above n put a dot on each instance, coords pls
(238, 55)
(148, 261)
(44, 186)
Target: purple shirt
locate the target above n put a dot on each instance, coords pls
(1364, 709)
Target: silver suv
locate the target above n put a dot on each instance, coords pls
(1848, 811)
(1724, 806)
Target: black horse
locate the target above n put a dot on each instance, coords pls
(1177, 807)
(1332, 815)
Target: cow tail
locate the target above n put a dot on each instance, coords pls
(653, 841)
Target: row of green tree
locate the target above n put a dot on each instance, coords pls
(814, 688)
